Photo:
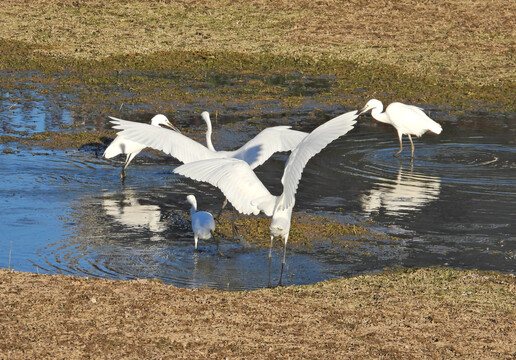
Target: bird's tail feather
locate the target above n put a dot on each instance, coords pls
(435, 128)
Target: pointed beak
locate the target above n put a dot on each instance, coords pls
(169, 124)
(363, 110)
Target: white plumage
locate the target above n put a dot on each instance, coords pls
(406, 119)
(131, 148)
(202, 222)
(255, 152)
(236, 179)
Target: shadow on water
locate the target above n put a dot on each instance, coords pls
(454, 205)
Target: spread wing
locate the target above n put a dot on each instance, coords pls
(312, 144)
(269, 141)
(170, 142)
(236, 180)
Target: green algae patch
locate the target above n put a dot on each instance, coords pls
(304, 231)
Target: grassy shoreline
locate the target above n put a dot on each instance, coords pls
(421, 54)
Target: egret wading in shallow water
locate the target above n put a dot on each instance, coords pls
(122, 145)
(255, 152)
(237, 180)
(203, 224)
(406, 119)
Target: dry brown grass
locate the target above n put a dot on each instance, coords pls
(464, 40)
(418, 314)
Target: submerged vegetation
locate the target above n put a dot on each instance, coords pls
(305, 229)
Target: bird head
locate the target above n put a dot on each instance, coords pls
(161, 120)
(190, 199)
(371, 104)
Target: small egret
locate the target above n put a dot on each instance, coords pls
(122, 145)
(237, 180)
(203, 224)
(406, 119)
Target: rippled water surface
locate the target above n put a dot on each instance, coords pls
(454, 205)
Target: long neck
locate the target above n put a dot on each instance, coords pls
(193, 209)
(209, 144)
(380, 116)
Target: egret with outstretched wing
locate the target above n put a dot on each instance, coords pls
(238, 182)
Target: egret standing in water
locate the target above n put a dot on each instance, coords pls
(122, 145)
(237, 180)
(203, 224)
(406, 119)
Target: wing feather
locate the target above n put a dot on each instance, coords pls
(170, 142)
(312, 144)
(236, 180)
(269, 141)
(411, 119)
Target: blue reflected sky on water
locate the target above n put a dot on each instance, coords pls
(454, 205)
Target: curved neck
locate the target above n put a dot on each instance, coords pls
(380, 116)
(193, 209)
(209, 144)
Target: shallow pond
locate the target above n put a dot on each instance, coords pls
(454, 205)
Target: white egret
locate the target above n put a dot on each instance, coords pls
(122, 145)
(406, 119)
(255, 152)
(203, 224)
(236, 179)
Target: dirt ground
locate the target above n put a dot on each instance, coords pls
(404, 314)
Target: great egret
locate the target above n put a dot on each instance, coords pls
(203, 224)
(255, 152)
(406, 119)
(236, 179)
(122, 145)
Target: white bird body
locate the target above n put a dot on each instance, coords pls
(203, 223)
(406, 119)
(255, 152)
(131, 148)
(238, 182)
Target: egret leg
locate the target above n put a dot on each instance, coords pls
(411, 144)
(283, 261)
(401, 144)
(128, 159)
(234, 228)
(196, 239)
(270, 257)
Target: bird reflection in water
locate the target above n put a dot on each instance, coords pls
(129, 212)
(409, 192)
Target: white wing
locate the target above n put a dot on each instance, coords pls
(122, 146)
(269, 141)
(170, 142)
(317, 140)
(236, 180)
